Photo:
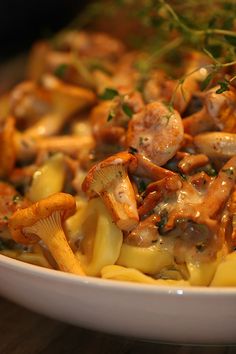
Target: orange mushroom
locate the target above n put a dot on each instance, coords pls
(109, 179)
(44, 220)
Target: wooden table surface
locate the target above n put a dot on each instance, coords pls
(25, 332)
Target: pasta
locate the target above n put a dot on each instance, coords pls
(110, 173)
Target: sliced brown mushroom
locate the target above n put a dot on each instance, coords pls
(198, 122)
(44, 220)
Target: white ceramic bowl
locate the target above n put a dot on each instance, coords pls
(170, 314)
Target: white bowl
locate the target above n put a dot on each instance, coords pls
(170, 314)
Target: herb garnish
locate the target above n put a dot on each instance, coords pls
(61, 70)
(142, 186)
(109, 94)
(164, 218)
(210, 170)
(127, 110)
(224, 86)
(200, 247)
(132, 150)
(16, 198)
(229, 171)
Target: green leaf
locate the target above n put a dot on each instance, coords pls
(109, 94)
(231, 40)
(229, 171)
(142, 186)
(215, 50)
(183, 176)
(212, 22)
(205, 83)
(210, 170)
(228, 23)
(132, 150)
(164, 218)
(60, 70)
(224, 86)
(127, 110)
(95, 65)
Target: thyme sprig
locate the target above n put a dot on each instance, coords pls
(212, 70)
(171, 26)
(195, 32)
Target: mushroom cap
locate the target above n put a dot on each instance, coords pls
(58, 202)
(119, 159)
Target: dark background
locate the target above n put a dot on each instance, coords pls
(22, 21)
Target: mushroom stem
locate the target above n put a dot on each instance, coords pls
(144, 168)
(118, 198)
(70, 145)
(218, 146)
(51, 232)
(198, 122)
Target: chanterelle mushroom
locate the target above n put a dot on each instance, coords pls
(44, 220)
(110, 180)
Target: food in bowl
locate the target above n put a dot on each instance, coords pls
(113, 171)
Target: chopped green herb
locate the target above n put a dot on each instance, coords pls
(142, 186)
(164, 218)
(224, 86)
(16, 198)
(5, 218)
(183, 176)
(61, 70)
(94, 65)
(170, 106)
(132, 150)
(200, 247)
(127, 110)
(229, 171)
(109, 94)
(211, 171)
(215, 50)
(231, 40)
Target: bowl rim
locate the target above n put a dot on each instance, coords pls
(60, 276)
